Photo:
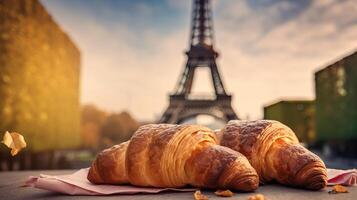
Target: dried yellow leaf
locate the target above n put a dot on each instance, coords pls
(14, 141)
(223, 193)
(199, 196)
(257, 197)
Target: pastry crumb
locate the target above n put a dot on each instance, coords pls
(257, 197)
(338, 189)
(199, 196)
(223, 193)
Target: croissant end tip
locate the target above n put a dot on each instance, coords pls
(315, 177)
(317, 183)
(247, 184)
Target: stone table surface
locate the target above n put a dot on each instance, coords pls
(10, 189)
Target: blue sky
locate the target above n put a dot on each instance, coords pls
(132, 51)
(139, 14)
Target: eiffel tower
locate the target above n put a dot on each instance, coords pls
(201, 54)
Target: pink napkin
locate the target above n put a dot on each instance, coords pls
(342, 177)
(77, 184)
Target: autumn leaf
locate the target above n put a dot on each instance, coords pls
(14, 141)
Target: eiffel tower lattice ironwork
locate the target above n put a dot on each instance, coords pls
(200, 54)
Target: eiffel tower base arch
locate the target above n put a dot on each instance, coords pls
(181, 108)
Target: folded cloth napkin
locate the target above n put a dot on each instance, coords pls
(342, 177)
(77, 183)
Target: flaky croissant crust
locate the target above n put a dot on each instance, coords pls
(109, 166)
(163, 155)
(164, 148)
(274, 151)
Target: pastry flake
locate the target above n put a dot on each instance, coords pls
(257, 197)
(199, 196)
(338, 189)
(223, 193)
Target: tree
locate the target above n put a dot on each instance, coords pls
(92, 120)
(118, 128)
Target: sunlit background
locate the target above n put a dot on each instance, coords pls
(75, 92)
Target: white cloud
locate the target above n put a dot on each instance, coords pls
(262, 66)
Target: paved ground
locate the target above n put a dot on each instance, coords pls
(10, 189)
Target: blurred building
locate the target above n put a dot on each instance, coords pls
(299, 115)
(39, 78)
(336, 104)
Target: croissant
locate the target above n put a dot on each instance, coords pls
(163, 155)
(275, 153)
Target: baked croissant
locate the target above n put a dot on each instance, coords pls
(275, 153)
(162, 155)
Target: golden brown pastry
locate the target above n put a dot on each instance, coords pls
(162, 155)
(274, 151)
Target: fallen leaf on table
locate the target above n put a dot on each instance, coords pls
(338, 189)
(14, 141)
(223, 193)
(199, 196)
(257, 197)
